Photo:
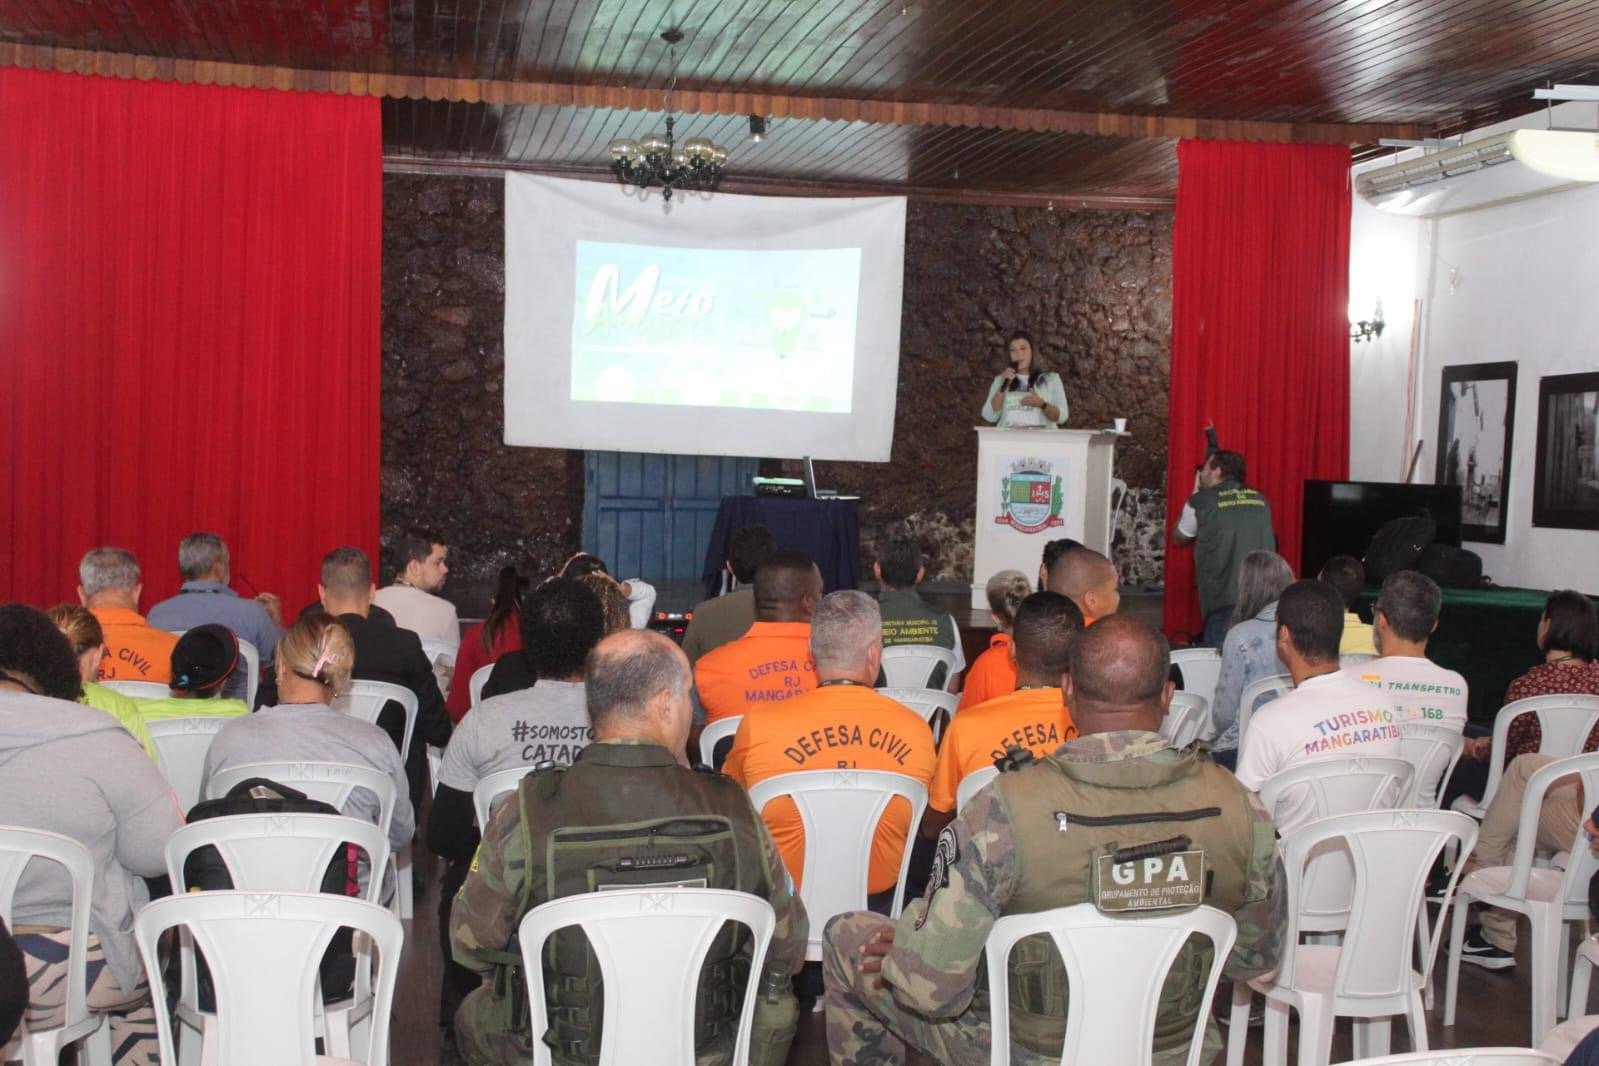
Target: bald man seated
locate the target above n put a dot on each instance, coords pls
(1088, 579)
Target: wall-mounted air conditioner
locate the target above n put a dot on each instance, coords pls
(1495, 170)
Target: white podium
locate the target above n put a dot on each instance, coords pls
(1034, 485)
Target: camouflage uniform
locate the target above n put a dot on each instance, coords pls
(934, 994)
(618, 782)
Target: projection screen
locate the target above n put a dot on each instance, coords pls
(718, 325)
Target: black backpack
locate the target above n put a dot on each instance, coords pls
(204, 871)
(1451, 567)
(1398, 545)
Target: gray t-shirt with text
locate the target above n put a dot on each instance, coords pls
(549, 721)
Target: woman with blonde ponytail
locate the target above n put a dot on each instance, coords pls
(993, 673)
(313, 662)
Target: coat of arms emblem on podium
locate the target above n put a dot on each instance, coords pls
(1030, 497)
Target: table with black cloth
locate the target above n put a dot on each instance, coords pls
(829, 531)
(1490, 635)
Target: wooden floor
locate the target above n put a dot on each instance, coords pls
(1494, 1007)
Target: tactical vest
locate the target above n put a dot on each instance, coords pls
(1233, 521)
(1065, 815)
(581, 832)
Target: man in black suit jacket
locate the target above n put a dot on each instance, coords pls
(384, 652)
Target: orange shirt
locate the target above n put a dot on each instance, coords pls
(770, 662)
(135, 650)
(837, 727)
(992, 674)
(1031, 718)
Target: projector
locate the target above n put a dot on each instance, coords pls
(780, 486)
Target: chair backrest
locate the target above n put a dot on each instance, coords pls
(839, 810)
(1259, 692)
(1184, 718)
(1433, 750)
(714, 734)
(1115, 969)
(366, 700)
(252, 671)
(1201, 669)
(972, 784)
(279, 852)
(480, 677)
(650, 944)
(262, 949)
(1564, 723)
(331, 782)
(440, 651)
(1355, 659)
(913, 665)
(139, 690)
(17, 847)
(1465, 1056)
(181, 745)
(1391, 853)
(927, 702)
(1581, 863)
(1334, 787)
(491, 787)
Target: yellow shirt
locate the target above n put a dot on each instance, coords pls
(1031, 718)
(771, 662)
(1357, 636)
(123, 709)
(173, 707)
(134, 649)
(838, 727)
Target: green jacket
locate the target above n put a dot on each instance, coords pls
(1233, 521)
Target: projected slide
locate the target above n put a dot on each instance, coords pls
(769, 330)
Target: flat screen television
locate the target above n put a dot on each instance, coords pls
(1341, 517)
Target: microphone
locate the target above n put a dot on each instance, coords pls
(1015, 383)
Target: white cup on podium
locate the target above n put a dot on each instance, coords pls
(1120, 424)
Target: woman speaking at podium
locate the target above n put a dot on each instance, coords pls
(1025, 395)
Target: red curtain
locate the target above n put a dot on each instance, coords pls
(1260, 330)
(189, 328)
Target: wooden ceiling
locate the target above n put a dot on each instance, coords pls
(1074, 101)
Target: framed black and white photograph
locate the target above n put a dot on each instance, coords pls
(1476, 412)
(1565, 491)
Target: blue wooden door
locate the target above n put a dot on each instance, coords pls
(650, 516)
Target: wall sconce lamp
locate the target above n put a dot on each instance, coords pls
(1367, 329)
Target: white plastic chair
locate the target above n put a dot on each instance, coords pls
(43, 1047)
(1274, 686)
(972, 784)
(1334, 787)
(441, 657)
(1201, 669)
(1564, 723)
(1370, 976)
(1184, 718)
(1466, 1056)
(263, 949)
(366, 700)
(913, 665)
(1433, 750)
(1549, 896)
(1115, 969)
(331, 782)
(1581, 976)
(492, 787)
(280, 853)
(435, 764)
(927, 702)
(714, 734)
(839, 810)
(139, 690)
(650, 944)
(181, 745)
(1564, 1038)
(480, 677)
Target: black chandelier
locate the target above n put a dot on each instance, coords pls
(657, 160)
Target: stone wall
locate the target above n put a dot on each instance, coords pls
(1093, 287)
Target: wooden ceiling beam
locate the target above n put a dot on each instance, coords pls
(691, 101)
